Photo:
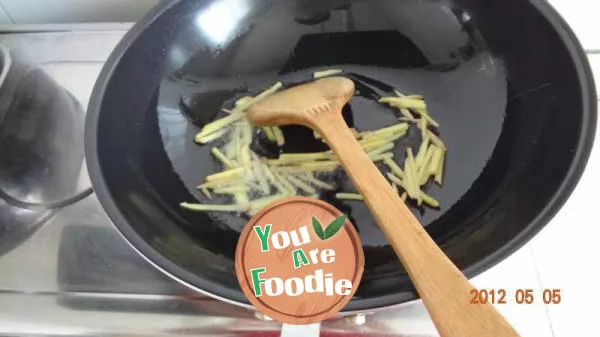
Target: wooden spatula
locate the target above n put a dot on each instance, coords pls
(445, 291)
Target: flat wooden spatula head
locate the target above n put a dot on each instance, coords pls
(303, 104)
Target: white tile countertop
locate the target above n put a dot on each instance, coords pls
(582, 16)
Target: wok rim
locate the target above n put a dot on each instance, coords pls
(217, 291)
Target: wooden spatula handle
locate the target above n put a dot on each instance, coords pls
(449, 304)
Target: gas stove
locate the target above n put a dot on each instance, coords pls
(64, 269)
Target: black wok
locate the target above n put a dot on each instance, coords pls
(506, 79)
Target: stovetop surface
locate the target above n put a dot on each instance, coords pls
(64, 269)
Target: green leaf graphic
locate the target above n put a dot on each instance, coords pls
(335, 226)
(318, 229)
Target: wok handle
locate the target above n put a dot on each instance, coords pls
(443, 288)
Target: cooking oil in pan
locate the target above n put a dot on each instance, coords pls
(469, 125)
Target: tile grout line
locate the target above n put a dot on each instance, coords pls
(539, 278)
(2, 9)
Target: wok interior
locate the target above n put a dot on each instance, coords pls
(496, 74)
